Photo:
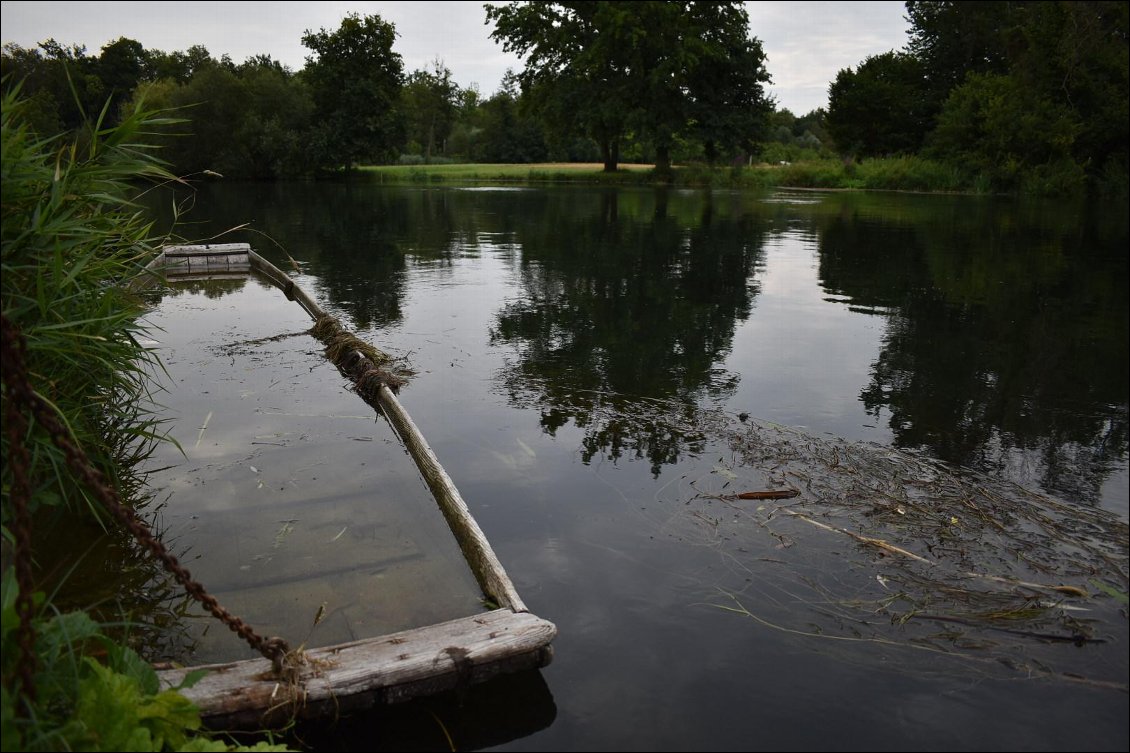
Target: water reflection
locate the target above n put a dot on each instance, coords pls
(213, 289)
(562, 325)
(1004, 337)
(622, 300)
(1006, 340)
(351, 244)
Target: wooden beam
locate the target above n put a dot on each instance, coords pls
(361, 674)
(389, 668)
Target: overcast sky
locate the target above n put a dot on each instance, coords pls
(807, 43)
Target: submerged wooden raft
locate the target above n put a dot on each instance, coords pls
(388, 668)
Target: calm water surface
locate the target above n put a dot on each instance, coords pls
(284, 493)
(570, 342)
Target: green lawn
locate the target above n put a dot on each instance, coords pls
(894, 173)
(510, 173)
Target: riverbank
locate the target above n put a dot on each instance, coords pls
(895, 173)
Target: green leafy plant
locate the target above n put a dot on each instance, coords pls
(92, 693)
(69, 234)
(70, 237)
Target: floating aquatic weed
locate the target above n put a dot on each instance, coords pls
(853, 541)
(343, 347)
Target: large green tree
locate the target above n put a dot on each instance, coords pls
(953, 39)
(1077, 56)
(1035, 93)
(880, 108)
(355, 79)
(660, 70)
(121, 66)
(178, 66)
(998, 128)
(61, 82)
(506, 133)
(251, 120)
(728, 107)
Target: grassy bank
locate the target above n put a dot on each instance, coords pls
(75, 382)
(548, 172)
(890, 174)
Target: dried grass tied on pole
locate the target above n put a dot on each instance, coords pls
(364, 364)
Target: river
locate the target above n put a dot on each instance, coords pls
(584, 358)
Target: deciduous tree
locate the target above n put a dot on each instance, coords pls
(431, 102)
(662, 70)
(355, 79)
(880, 108)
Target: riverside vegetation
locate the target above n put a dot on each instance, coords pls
(70, 234)
(989, 97)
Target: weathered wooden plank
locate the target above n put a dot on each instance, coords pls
(208, 249)
(187, 260)
(388, 669)
(223, 258)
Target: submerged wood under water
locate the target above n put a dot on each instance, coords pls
(388, 668)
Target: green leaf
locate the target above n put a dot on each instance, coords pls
(192, 678)
(1110, 591)
(169, 716)
(65, 634)
(126, 661)
(106, 715)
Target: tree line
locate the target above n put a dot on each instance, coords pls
(668, 96)
(1013, 95)
(1021, 95)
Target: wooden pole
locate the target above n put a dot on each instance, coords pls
(476, 549)
(388, 668)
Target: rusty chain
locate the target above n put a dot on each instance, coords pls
(20, 396)
(17, 460)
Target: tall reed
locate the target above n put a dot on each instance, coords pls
(69, 234)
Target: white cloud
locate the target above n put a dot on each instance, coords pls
(808, 43)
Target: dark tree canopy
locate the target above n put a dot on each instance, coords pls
(121, 66)
(507, 132)
(60, 81)
(662, 70)
(1034, 93)
(355, 79)
(178, 66)
(953, 39)
(879, 109)
(997, 95)
(1028, 96)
